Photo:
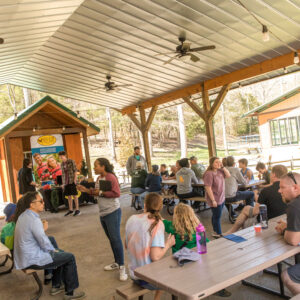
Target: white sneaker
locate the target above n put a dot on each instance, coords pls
(112, 267)
(123, 275)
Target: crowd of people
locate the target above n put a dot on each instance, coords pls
(145, 242)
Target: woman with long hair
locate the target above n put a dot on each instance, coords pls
(145, 240)
(110, 212)
(214, 182)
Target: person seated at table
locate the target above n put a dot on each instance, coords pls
(184, 178)
(152, 184)
(33, 250)
(198, 168)
(263, 173)
(246, 172)
(290, 191)
(164, 173)
(145, 239)
(138, 179)
(7, 232)
(174, 170)
(232, 194)
(270, 196)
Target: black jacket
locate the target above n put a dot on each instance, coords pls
(25, 179)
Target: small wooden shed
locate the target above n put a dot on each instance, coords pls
(44, 117)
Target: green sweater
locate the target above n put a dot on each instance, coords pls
(138, 178)
(169, 228)
(7, 235)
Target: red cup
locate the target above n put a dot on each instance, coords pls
(257, 228)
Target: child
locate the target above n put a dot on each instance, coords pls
(145, 240)
(164, 172)
(183, 227)
(246, 172)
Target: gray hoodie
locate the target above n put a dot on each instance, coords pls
(185, 177)
(131, 164)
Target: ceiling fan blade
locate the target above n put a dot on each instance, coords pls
(123, 85)
(168, 53)
(96, 89)
(203, 48)
(168, 61)
(186, 46)
(194, 58)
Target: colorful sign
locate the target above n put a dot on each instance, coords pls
(46, 144)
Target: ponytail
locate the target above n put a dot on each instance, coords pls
(153, 204)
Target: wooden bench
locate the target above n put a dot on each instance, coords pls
(38, 281)
(132, 291)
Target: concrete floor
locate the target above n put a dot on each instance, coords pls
(84, 237)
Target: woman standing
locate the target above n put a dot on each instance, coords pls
(26, 183)
(110, 212)
(214, 182)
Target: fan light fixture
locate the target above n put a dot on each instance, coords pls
(296, 58)
(265, 32)
(78, 114)
(64, 128)
(15, 116)
(33, 129)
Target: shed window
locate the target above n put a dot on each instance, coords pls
(285, 131)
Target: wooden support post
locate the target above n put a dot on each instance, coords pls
(10, 170)
(87, 153)
(211, 143)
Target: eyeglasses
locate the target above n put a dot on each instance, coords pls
(291, 175)
(41, 201)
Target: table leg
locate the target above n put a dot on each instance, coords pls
(268, 290)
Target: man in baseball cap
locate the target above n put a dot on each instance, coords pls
(9, 211)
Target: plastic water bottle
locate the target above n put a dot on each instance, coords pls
(201, 239)
(263, 216)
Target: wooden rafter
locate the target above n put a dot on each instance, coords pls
(150, 117)
(222, 94)
(242, 74)
(136, 122)
(194, 107)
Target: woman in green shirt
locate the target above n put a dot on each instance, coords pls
(183, 227)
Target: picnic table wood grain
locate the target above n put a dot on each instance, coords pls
(4, 250)
(225, 264)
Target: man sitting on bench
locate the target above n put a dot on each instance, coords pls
(33, 250)
(268, 196)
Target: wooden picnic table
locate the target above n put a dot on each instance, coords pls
(4, 251)
(251, 183)
(225, 264)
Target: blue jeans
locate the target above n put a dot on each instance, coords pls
(111, 224)
(145, 284)
(248, 196)
(216, 218)
(54, 244)
(64, 270)
(137, 190)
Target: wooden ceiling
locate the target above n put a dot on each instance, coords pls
(67, 47)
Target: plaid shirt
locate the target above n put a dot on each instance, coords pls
(68, 171)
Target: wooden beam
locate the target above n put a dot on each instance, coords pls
(185, 92)
(222, 94)
(194, 107)
(251, 71)
(245, 73)
(87, 153)
(135, 121)
(150, 117)
(10, 170)
(145, 137)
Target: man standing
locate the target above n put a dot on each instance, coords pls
(270, 196)
(198, 168)
(33, 250)
(69, 180)
(290, 191)
(133, 159)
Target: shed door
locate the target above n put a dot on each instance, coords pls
(73, 148)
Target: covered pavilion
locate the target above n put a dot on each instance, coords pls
(68, 47)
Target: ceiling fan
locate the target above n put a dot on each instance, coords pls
(111, 87)
(184, 51)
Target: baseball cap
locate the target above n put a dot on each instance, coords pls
(155, 168)
(9, 210)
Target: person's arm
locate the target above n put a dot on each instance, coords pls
(38, 232)
(156, 253)
(291, 237)
(240, 178)
(194, 178)
(211, 196)
(226, 172)
(249, 174)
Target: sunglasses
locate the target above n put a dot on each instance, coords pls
(41, 201)
(291, 175)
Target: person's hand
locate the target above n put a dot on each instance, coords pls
(82, 188)
(281, 225)
(259, 176)
(45, 225)
(214, 203)
(170, 240)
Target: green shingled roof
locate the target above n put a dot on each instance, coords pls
(273, 102)
(7, 124)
